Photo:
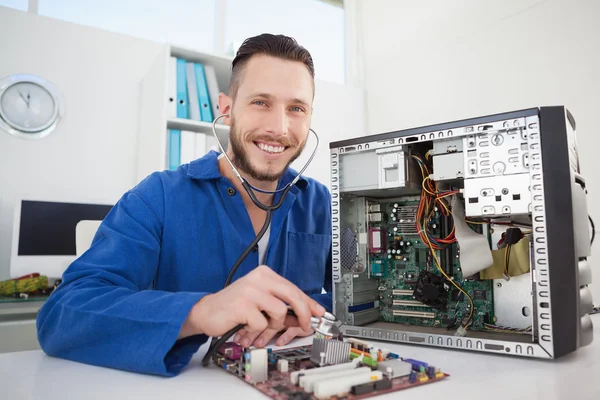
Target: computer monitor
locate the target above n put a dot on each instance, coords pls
(44, 235)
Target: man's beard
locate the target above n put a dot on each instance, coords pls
(243, 163)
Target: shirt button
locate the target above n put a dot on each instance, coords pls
(230, 191)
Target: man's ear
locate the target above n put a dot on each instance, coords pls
(225, 104)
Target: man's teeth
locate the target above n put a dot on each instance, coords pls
(270, 149)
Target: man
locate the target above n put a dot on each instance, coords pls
(149, 292)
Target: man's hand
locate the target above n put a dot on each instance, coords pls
(259, 301)
(261, 339)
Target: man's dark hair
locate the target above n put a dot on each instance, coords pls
(279, 46)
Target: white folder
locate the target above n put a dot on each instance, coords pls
(172, 89)
(213, 90)
(194, 104)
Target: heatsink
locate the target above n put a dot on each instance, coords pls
(330, 352)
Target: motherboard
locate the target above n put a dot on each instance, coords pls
(412, 288)
(327, 369)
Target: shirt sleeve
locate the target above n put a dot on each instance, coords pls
(105, 312)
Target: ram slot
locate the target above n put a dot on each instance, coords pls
(416, 314)
(408, 303)
(339, 367)
(307, 382)
(402, 292)
(343, 384)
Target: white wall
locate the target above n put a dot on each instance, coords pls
(437, 60)
(91, 156)
(338, 113)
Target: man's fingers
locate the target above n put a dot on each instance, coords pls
(239, 335)
(291, 320)
(250, 338)
(303, 305)
(290, 334)
(275, 309)
(265, 337)
(317, 309)
(256, 322)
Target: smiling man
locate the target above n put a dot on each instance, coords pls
(149, 292)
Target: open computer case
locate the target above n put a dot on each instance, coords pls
(470, 235)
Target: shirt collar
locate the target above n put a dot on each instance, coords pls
(207, 168)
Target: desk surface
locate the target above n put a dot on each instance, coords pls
(33, 375)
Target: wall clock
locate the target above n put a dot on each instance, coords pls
(30, 106)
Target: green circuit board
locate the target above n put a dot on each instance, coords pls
(404, 256)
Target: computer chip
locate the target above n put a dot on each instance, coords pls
(480, 294)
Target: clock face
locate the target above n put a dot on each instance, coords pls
(28, 107)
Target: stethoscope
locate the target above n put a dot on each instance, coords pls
(247, 185)
(269, 209)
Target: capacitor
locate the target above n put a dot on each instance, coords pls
(389, 256)
(405, 259)
(394, 210)
(393, 218)
(389, 251)
(395, 205)
(395, 229)
(413, 377)
(401, 244)
(408, 243)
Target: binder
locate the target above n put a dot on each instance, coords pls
(205, 107)
(182, 97)
(188, 147)
(174, 148)
(200, 149)
(213, 90)
(172, 89)
(193, 102)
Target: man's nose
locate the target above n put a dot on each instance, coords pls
(277, 122)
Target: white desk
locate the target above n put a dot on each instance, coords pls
(17, 326)
(33, 375)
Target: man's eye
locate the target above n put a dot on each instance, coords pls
(259, 103)
(300, 109)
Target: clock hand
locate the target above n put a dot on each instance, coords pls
(23, 97)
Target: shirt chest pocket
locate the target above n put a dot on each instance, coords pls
(307, 260)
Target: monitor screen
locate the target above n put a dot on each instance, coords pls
(44, 235)
(48, 228)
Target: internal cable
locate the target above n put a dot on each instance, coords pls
(437, 264)
(430, 196)
(507, 260)
(505, 329)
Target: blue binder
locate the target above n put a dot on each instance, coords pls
(182, 112)
(174, 148)
(205, 108)
(182, 95)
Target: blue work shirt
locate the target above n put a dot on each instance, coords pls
(166, 243)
